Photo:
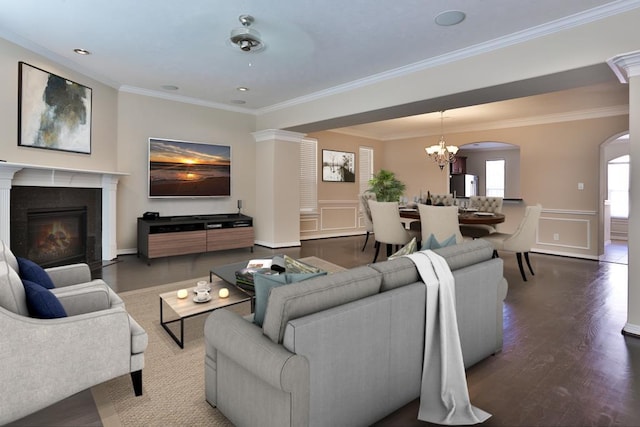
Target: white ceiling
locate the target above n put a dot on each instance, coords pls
(312, 46)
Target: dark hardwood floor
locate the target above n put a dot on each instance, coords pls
(564, 360)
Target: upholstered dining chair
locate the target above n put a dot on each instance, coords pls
(387, 227)
(442, 199)
(482, 204)
(441, 221)
(364, 201)
(521, 240)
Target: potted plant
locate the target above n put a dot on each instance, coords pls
(386, 186)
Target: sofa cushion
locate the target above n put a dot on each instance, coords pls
(41, 302)
(317, 294)
(402, 271)
(396, 272)
(263, 283)
(29, 270)
(467, 253)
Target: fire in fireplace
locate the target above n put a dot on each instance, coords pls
(57, 236)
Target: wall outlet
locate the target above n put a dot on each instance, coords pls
(581, 186)
(556, 236)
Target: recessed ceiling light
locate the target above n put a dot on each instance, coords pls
(450, 17)
(242, 89)
(82, 51)
(238, 101)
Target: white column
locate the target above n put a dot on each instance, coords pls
(109, 213)
(277, 223)
(627, 68)
(6, 178)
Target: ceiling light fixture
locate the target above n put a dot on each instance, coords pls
(242, 89)
(82, 51)
(441, 153)
(247, 39)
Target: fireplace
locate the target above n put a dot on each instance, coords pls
(57, 225)
(57, 237)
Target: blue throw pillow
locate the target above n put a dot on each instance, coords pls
(432, 242)
(32, 272)
(41, 302)
(263, 283)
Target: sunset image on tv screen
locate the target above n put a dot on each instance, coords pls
(188, 169)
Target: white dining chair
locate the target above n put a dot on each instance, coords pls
(521, 241)
(364, 201)
(441, 221)
(388, 228)
(482, 204)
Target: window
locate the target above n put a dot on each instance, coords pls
(618, 186)
(494, 178)
(365, 158)
(309, 175)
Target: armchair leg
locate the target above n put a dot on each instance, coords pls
(375, 257)
(495, 254)
(136, 379)
(366, 239)
(519, 257)
(526, 257)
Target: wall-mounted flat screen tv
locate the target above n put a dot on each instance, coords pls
(188, 169)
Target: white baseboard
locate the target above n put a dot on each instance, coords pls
(274, 245)
(567, 254)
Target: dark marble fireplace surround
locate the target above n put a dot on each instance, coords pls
(25, 199)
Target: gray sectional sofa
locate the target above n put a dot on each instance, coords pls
(346, 349)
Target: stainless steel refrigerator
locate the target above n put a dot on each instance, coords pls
(463, 185)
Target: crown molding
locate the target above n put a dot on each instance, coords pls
(278, 135)
(626, 65)
(184, 99)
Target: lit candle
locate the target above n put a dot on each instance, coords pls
(183, 293)
(223, 293)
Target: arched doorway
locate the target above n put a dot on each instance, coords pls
(614, 185)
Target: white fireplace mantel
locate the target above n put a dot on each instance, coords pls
(50, 176)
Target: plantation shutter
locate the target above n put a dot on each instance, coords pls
(309, 175)
(366, 168)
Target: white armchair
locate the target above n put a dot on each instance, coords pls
(521, 240)
(46, 360)
(442, 200)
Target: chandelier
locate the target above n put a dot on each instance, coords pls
(441, 153)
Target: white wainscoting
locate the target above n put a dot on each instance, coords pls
(334, 218)
(568, 233)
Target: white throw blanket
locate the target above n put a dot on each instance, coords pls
(444, 398)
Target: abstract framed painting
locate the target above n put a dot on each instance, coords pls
(338, 166)
(53, 112)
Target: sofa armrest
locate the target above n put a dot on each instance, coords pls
(87, 297)
(71, 274)
(244, 342)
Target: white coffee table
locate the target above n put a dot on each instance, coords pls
(187, 307)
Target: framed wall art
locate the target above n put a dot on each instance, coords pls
(338, 166)
(53, 112)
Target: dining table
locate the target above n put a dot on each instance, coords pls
(465, 216)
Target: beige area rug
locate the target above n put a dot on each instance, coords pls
(173, 378)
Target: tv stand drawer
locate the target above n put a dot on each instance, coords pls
(184, 242)
(229, 238)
